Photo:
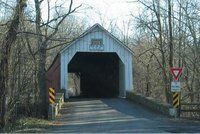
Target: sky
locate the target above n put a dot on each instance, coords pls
(104, 11)
(108, 13)
(101, 11)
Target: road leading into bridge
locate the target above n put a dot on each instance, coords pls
(115, 115)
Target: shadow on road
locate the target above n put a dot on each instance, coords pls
(94, 115)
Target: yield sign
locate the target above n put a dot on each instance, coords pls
(176, 72)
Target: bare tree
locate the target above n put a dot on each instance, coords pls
(171, 35)
(42, 42)
(6, 44)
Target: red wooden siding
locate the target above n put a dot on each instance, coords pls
(53, 75)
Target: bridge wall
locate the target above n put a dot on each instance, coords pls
(53, 74)
(149, 103)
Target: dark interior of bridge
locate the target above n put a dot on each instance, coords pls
(98, 73)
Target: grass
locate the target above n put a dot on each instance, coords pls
(28, 125)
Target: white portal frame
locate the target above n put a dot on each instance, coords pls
(110, 44)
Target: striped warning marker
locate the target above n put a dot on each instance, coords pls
(52, 96)
(176, 99)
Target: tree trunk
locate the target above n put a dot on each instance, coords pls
(163, 57)
(3, 76)
(6, 44)
(43, 105)
(42, 48)
(171, 48)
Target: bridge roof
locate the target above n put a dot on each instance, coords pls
(90, 30)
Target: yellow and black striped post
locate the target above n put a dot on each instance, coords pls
(52, 97)
(176, 100)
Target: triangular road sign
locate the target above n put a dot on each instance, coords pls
(176, 72)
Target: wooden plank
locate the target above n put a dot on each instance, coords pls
(197, 92)
(190, 110)
(190, 103)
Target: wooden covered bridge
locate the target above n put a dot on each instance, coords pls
(101, 62)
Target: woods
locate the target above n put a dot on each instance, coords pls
(168, 36)
(6, 45)
(165, 34)
(25, 46)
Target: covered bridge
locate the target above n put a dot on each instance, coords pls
(102, 63)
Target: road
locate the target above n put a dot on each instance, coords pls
(115, 115)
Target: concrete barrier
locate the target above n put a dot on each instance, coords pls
(149, 103)
(54, 109)
(60, 99)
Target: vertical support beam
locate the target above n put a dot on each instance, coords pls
(62, 72)
(66, 84)
(127, 75)
(122, 89)
(131, 72)
(64, 75)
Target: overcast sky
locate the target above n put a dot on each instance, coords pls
(108, 10)
(101, 11)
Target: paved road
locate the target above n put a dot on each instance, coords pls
(115, 115)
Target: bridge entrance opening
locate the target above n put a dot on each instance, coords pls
(95, 74)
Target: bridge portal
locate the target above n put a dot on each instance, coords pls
(102, 63)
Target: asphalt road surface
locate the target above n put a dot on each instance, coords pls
(115, 116)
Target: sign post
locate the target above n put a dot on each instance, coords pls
(176, 89)
(176, 100)
(51, 96)
(52, 102)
